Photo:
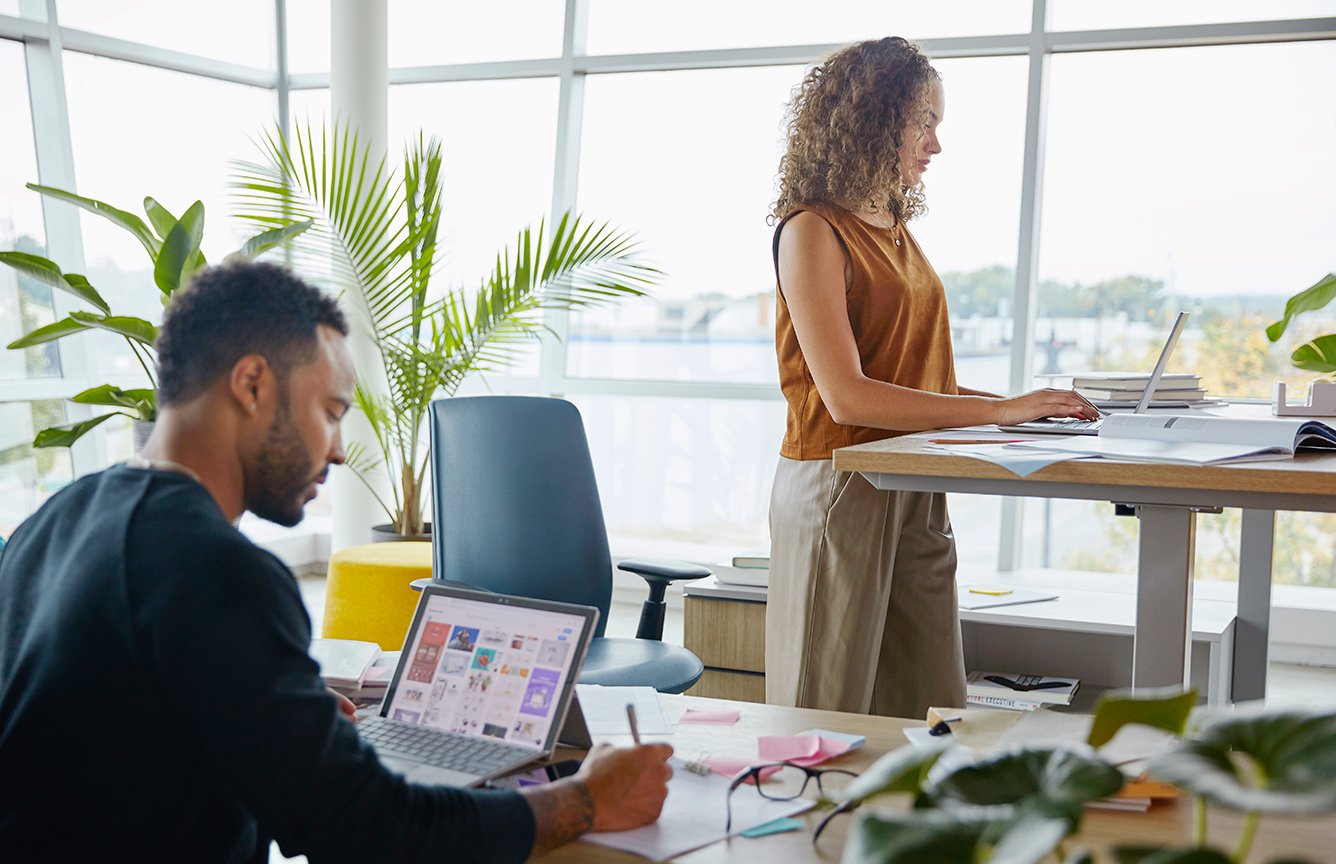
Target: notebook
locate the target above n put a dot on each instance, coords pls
(1072, 426)
(483, 686)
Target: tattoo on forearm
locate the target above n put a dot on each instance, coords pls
(562, 811)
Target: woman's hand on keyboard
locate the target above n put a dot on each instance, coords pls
(1049, 402)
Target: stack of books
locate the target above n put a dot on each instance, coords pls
(1124, 389)
(358, 670)
(1018, 692)
(750, 568)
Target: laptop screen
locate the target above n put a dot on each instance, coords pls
(490, 665)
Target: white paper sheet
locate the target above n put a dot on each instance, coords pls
(1022, 463)
(605, 709)
(694, 814)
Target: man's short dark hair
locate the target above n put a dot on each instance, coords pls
(234, 310)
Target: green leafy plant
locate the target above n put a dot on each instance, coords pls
(1018, 806)
(378, 231)
(1315, 355)
(173, 247)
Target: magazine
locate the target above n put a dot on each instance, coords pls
(1005, 689)
(1193, 440)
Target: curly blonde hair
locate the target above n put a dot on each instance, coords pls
(845, 125)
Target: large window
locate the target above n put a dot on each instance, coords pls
(1186, 178)
(238, 31)
(693, 175)
(618, 27)
(174, 147)
(1181, 159)
(25, 303)
(27, 476)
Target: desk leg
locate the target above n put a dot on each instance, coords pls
(1253, 627)
(1162, 644)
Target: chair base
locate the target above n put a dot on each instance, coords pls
(666, 667)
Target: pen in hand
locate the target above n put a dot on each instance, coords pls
(631, 719)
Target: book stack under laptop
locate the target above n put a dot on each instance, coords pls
(1018, 692)
(1125, 389)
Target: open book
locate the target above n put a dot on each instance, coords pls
(1188, 440)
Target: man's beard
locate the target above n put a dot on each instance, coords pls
(277, 479)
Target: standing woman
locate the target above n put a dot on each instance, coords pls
(862, 607)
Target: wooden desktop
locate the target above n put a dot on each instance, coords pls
(1165, 823)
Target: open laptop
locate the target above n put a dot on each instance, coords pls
(1074, 426)
(483, 685)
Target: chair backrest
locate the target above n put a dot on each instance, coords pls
(515, 503)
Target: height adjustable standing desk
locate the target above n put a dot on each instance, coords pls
(1166, 499)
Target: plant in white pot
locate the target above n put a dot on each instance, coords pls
(378, 230)
(173, 247)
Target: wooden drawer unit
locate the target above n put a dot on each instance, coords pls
(729, 638)
(739, 686)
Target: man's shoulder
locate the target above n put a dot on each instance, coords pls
(177, 526)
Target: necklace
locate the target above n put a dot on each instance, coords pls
(145, 464)
(876, 220)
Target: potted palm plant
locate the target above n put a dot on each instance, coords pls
(377, 229)
(173, 247)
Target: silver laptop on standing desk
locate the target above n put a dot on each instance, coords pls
(483, 686)
(1072, 426)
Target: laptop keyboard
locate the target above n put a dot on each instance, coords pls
(1072, 424)
(480, 756)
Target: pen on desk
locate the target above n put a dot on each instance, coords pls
(975, 440)
(631, 718)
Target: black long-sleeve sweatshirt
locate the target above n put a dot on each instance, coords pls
(157, 702)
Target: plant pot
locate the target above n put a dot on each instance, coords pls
(139, 431)
(388, 534)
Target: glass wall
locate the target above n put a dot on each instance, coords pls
(25, 303)
(27, 476)
(1171, 175)
(1214, 199)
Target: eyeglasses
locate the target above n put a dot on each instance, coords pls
(780, 781)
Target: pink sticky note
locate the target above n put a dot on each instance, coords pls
(725, 718)
(829, 749)
(800, 749)
(791, 748)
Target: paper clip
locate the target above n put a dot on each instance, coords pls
(698, 766)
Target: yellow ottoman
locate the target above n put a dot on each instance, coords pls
(367, 594)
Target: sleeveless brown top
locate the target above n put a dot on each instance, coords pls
(897, 309)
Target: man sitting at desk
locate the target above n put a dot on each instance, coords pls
(157, 701)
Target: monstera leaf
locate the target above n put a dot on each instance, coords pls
(902, 770)
(1312, 298)
(1169, 855)
(1318, 355)
(975, 835)
(1280, 762)
(1048, 780)
(1166, 709)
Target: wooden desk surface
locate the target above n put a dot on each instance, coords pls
(1306, 474)
(1310, 840)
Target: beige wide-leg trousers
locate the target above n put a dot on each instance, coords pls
(861, 614)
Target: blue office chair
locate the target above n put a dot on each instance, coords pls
(516, 510)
